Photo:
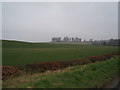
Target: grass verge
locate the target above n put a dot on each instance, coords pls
(87, 76)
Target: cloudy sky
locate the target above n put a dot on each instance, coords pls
(39, 22)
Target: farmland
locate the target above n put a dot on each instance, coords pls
(52, 65)
(20, 53)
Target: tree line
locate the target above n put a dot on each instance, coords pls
(66, 39)
(109, 42)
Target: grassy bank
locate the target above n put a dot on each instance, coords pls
(19, 53)
(87, 76)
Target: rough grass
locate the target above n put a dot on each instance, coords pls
(87, 76)
(19, 53)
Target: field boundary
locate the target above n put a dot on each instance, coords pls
(13, 71)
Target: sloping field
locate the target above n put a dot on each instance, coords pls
(88, 76)
(20, 53)
(77, 66)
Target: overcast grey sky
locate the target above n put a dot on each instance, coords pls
(41, 21)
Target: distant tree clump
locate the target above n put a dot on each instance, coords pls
(66, 39)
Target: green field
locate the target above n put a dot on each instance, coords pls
(79, 76)
(87, 76)
(20, 53)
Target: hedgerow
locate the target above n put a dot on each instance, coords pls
(11, 71)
